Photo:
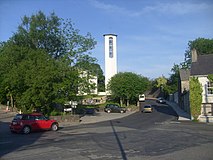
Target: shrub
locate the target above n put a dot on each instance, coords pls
(195, 97)
(55, 113)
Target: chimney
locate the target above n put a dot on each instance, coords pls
(194, 55)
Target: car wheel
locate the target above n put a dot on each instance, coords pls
(26, 130)
(108, 111)
(122, 111)
(54, 127)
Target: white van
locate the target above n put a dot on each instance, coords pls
(142, 98)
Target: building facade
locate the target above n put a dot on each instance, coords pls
(201, 67)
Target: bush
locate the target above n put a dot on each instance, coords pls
(55, 113)
(195, 97)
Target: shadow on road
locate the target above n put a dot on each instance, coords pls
(10, 142)
(123, 154)
(165, 109)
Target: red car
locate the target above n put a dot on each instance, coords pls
(26, 123)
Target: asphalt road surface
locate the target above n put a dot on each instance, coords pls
(138, 136)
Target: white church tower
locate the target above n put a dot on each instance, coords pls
(110, 57)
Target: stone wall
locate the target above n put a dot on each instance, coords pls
(66, 118)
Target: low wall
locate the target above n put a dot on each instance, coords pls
(66, 118)
(206, 119)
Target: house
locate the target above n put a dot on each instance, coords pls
(201, 67)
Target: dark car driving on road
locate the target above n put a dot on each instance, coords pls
(161, 100)
(113, 108)
(26, 123)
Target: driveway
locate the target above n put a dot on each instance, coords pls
(97, 117)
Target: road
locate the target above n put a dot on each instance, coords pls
(148, 136)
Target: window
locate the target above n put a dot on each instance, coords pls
(25, 117)
(209, 88)
(40, 117)
(31, 117)
(110, 47)
(18, 116)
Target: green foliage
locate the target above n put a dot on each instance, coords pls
(202, 46)
(127, 86)
(93, 69)
(195, 97)
(55, 113)
(210, 77)
(39, 64)
(161, 81)
(172, 83)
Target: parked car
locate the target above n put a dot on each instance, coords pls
(90, 111)
(26, 123)
(113, 108)
(147, 108)
(161, 100)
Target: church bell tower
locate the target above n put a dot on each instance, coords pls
(110, 57)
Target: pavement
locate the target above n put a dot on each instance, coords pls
(182, 115)
(97, 117)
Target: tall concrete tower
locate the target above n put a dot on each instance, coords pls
(110, 57)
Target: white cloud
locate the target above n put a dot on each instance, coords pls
(176, 8)
(109, 7)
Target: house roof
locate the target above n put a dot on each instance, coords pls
(184, 74)
(203, 65)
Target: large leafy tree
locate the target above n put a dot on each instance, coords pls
(202, 46)
(38, 64)
(56, 36)
(127, 86)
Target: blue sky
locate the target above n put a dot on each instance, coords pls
(152, 34)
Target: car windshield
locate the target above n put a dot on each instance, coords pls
(147, 106)
(18, 116)
(40, 117)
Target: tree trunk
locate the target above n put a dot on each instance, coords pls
(127, 102)
(11, 102)
(121, 102)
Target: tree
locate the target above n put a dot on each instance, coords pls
(172, 83)
(127, 86)
(11, 80)
(56, 36)
(89, 64)
(202, 46)
(38, 64)
(161, 83)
